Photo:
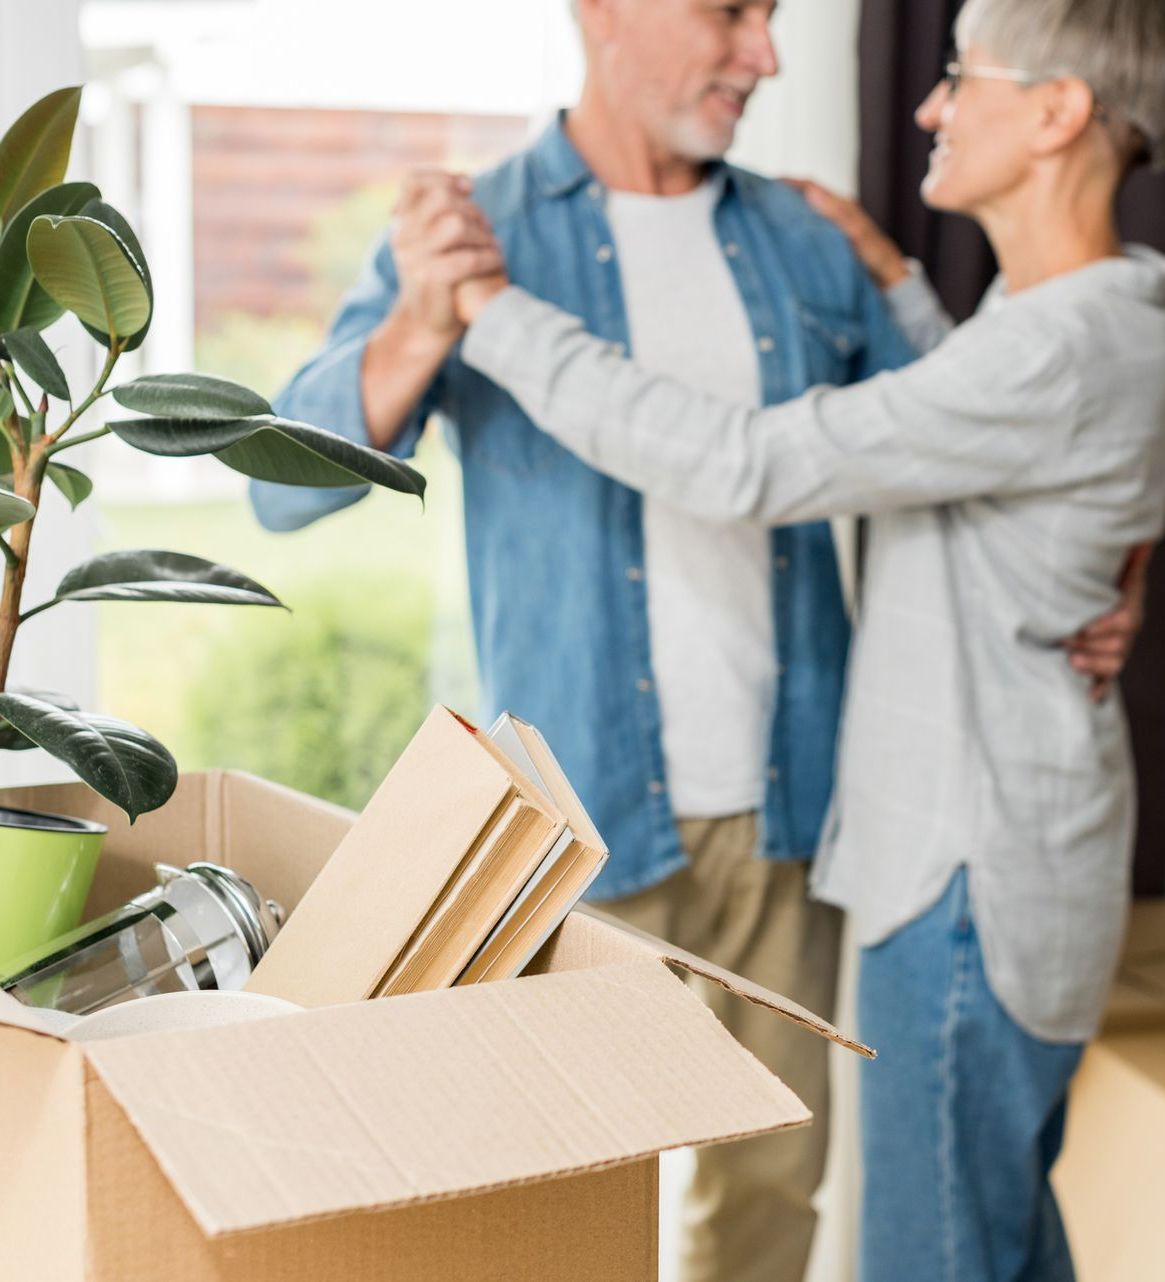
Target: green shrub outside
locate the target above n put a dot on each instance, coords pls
(323, 700)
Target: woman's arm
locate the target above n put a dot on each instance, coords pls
(974, 418)
(918, 310)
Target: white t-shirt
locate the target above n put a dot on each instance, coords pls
(709, 590)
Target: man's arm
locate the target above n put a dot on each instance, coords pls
(439, 240)
(378, 376)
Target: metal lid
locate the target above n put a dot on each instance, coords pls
(258, 920)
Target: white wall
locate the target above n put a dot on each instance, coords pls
(804, 122)
(40, 50)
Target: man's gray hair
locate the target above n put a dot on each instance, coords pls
(1116, 46)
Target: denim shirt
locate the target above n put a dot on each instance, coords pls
(555, 550)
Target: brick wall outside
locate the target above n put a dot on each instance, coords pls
(264, 176)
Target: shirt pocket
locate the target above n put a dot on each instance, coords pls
(832, 340)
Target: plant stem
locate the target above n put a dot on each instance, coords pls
(12, 434)
(10, 371)
(28, 470)
(9, 555)
(110, 361)
(27, 484)
(77, 440)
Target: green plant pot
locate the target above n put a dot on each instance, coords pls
(47, 864)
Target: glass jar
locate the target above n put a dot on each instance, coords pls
(201, 927)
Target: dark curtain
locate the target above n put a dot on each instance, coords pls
(903, 46)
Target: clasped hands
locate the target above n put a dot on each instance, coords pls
(449, 260)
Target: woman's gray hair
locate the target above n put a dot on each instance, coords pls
(1116, 46)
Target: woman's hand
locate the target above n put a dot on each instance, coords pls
(1102, 649)
(881, 256)
(473, 294)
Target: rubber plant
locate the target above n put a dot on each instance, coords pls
(63, 249)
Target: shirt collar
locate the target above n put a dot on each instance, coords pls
(561, 169)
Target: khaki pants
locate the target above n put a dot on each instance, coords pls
(747, 1215)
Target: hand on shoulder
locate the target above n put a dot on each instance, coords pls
(880, 255)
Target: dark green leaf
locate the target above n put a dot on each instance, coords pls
(7, 409)
(89, 270)
(119, 761)
(23, 303)
(11, 740)
(13, 510)
(34, 356)
(74, 485)
(34, 153)
(195, 397)
(148, 575)
(273, 449)
(111, 218)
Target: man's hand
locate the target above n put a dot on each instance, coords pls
(440, 239)
(881, 256)
(1102, 649)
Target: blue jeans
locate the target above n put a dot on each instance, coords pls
(962, 1115)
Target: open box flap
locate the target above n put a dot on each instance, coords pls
(436, 1095)
(585, 916)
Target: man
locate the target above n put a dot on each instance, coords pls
(688, 675)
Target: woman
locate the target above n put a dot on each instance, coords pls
(982, 817)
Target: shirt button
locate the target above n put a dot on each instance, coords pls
(774, 774)
(731, 249)
(604, 253)
(781, 669)
(634, 573)
(620, 349)
(765, 344)
(842, 344)
(781, 562)
(655, 787)
(643, 685)
(594, 191)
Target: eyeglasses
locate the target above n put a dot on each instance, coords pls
(956, 72)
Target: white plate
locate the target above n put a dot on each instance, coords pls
(169, 1011)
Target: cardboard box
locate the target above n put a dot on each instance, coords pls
(498, 1131)
(1110, 1179)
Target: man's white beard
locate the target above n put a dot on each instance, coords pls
(696, 142)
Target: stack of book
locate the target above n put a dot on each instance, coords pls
(559, 881)
(470, 854)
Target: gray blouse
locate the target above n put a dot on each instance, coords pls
(1006, 474)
